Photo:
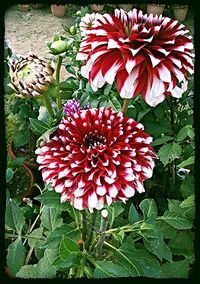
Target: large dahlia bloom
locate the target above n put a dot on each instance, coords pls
(30, 76)
(146, 55)
(95, 157)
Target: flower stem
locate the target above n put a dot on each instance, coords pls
(48, 105)
(83, 225)
(90, 234)
(58, 66)
(125, 106)
(172, 121)
(104, 223)
(82, 267)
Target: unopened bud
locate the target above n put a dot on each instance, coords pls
(58, 46)
(72, 30)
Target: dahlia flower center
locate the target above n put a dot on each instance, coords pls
(25, 73)
(93, 140)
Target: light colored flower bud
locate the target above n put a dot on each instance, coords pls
(58, 46)
(30, 76)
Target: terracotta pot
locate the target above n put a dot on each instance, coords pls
(125, 7)
(180, 12)
(30, 164)
(155, 9)
(23, 8)
(58, 10)
(96, 7)
(21, 184)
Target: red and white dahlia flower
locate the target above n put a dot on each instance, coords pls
(95, 157)
(146, 55)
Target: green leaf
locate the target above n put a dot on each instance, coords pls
(9, 174)
(107, 89)
(14, 217)
(113, 212)
(159, 248)
(107, 269)
(187, 186)
(176, 221)
(165, 229)
(27, 271)
(44, 138)
(117, 238)
(127, 258)
(162, 140)
(45, 269)
(114, 103)
(182, 244)
(150, 265)
(133, 216)
(189, 202)
(186, 163)
(169, 153)
(141, 114)
(176, 269)
(174, 206)
(149, 231)
(43, 114)
(67, 247)
(52, 199)
(39, 252)
(15, 256)
(21, 137)
(149, 210)
(137, 262)
(159, 112)
(186, 131)
(155, 128)
(37, 234)
(71, 70)
(54, 238)
(51, 218)
(38, 127)
(72, 260)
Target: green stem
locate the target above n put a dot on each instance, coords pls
(125, 106)
(83, 225)
(82, 267)
(72, 272)
(58, 66)
(7, 235)
(48, 105)
(90, 234)
(77, 218)
(172, 120)
(99, 246)
(126, 228)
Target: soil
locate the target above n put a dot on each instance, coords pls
(30, 31)
(33, 29)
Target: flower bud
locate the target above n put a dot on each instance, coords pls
(30, 76)
(73, 30)
(58, 46)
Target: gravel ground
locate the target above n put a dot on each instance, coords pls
(31, 30)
